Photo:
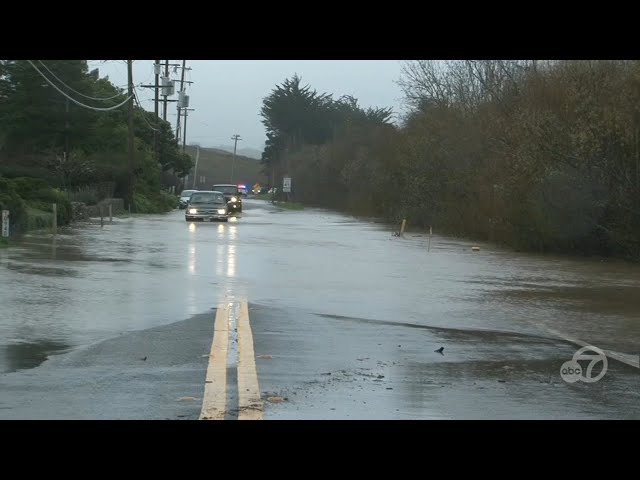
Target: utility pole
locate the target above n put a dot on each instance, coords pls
(235, 138)
(184, 133)
(195, 170)
(131, 177)
(166, 74)
(183, 102)
(184, 62)
(66, 131)
(156, 71)
(157, 67)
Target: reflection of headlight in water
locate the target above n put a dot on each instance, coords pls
(192, 227)
(193, 211)
(233, 219)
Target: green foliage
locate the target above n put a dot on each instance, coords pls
(170, 154)
(537, 155)
(39, 195)
(10, 200)
(37, 124)
(86, 195)
(169, 200)
(160, 202)
(314, 137)
(290, 205)
(32, 188)
(38, 219)
(30, 201)
(33, 115)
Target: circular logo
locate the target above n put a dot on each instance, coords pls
(593, 358)
(571, 371)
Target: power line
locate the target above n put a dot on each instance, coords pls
(135, 96)
(97, 109)
(79, 93)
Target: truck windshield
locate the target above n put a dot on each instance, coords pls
(207, 197)
(226, 189)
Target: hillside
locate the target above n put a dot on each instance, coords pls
(215, 166)
(246, 151)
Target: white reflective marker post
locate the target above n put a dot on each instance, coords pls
(5, 223)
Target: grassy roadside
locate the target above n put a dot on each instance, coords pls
(262, 196)
(290, 205)
(284, 205)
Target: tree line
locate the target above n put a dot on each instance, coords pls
(43, 135)
(536, 155)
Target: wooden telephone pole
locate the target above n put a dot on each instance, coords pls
(235, 138)
(131, 159)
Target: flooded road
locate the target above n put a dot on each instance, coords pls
(345, 321)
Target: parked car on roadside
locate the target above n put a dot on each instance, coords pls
(207, 206)
(185, 195)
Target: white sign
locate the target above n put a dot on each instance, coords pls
(5, 223)
(286, 185)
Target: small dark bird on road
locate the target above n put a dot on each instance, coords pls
(440, 350)
(143, 359)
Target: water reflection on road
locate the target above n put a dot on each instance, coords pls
(90, 282)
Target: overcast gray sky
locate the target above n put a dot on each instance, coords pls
(227, 94)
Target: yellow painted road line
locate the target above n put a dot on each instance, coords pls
(215, 388)
(249, 402)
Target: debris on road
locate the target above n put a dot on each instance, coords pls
(276, 399)
(268, 357)
(187, 399)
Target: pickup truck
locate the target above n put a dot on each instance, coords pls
(232, 196)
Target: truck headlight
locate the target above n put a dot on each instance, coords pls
(234, 199)
(221, 211)
(193, 211)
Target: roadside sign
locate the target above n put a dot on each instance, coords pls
(5, 223)
(286, 185)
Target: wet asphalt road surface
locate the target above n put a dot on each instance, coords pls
(116, 322)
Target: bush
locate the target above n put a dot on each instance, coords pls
(86, 195)
(16, 171)
(30, 201)
(170, 201)
(31, 188)
(160, 202)
(38, 219)
(10, 200)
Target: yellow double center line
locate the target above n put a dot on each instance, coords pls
(214, 404)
